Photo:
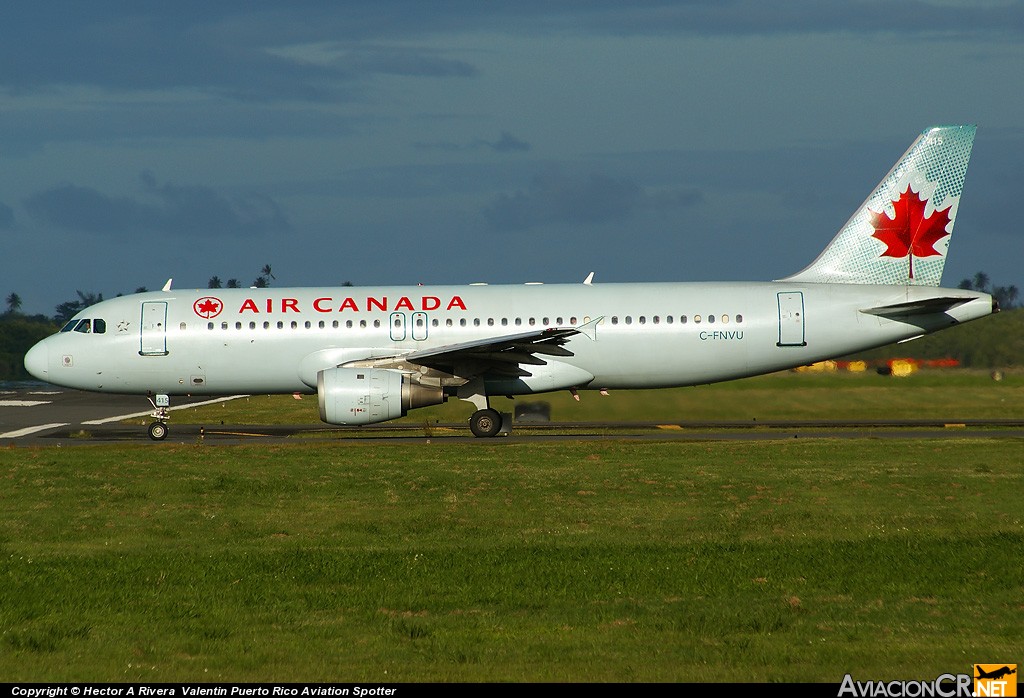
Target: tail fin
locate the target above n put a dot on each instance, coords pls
(901, 234)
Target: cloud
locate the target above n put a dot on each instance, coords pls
(595, 199)
(172, 210)
(507, 143)
(6, 216)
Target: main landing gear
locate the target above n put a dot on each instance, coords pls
(485, 423)
(161, 413)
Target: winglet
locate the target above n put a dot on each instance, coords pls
(167, 286)
(589, 280)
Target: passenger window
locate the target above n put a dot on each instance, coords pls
(629, 319)
(643, 320)
(252, 325)
(739, 318)
(682, 319)
(533, 322)
(238, 325)
(711, 319)
(615, 319)
(668, 319)
(696, 318)
(725, 319)
(209, 325)
(504, 322)
(490, 322)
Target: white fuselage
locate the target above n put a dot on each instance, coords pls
(644, 335)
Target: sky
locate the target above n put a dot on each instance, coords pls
(389, 142)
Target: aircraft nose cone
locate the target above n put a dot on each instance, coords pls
(37, 361)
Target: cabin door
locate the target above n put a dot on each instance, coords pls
(791, 320)
(154, 329)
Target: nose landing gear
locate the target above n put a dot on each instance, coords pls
(161, 413)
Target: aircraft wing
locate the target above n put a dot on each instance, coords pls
(497, 355)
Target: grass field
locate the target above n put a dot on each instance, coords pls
(791, 560)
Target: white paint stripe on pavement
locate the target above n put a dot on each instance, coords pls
(150, 412)
(30, 430)
(23, 403)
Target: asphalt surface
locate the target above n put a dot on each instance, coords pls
(36, 415)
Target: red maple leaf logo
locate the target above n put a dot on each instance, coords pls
(910, 234)
(208, 307)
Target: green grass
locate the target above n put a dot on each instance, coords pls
(580, 561)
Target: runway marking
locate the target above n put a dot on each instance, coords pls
(23, 403)
(94, 422)
(30, 430)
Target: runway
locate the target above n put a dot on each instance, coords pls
(37, 415)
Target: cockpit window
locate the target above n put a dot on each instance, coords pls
(86, 326)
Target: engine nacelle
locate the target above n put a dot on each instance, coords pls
(370, 395)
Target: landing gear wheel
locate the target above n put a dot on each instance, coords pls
(158, 431)
(485, 423)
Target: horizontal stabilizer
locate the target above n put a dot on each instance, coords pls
(925, 306)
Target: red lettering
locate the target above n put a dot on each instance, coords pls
(289, 304)
(248, 305)
(456, 302)
(381, 304)
(318, 301)
(431, 302)
(404, 302)
(270, 305)
(349, 304)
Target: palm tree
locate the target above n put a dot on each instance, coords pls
(214, 282)
(13, 303)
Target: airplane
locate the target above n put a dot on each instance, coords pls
(372, 354)
(994, 674)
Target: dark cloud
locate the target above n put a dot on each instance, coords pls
(234, 50)
(6, 217)
(595, 199)
(245, 50)
(507, 143)
(168, 209)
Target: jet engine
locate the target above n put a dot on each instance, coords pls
(370, 395)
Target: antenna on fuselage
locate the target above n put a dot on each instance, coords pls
(167, 286)
(589, 280)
